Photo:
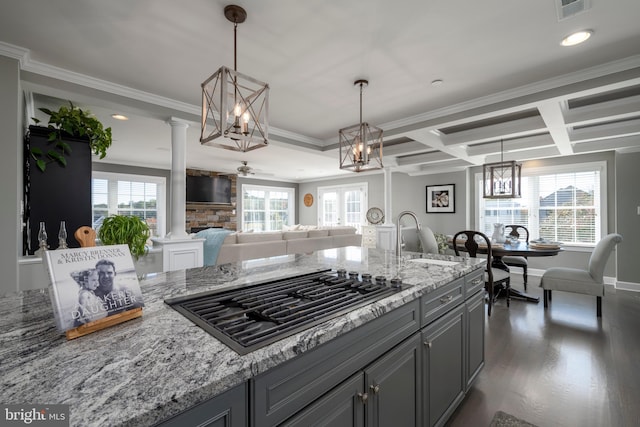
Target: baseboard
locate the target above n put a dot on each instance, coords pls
(627, 286)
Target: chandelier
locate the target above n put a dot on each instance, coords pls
(234, 105)
(361, 144)
(501, 179)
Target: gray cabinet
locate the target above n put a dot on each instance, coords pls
(443, 366)
(394, 387)
(291, 387)
(386, 393)
(386, 372)
(225, 410)
(474, 330)
(342, 406)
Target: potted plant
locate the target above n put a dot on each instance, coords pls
(123, 229)
(75, 122)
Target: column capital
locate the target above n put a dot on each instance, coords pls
(176, 122)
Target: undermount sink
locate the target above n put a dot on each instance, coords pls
(433, 261)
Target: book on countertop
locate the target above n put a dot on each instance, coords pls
(92, 283)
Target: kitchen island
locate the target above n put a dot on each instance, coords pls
(150, 369)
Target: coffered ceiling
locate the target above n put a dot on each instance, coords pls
(503, 76)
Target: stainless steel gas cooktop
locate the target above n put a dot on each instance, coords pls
(254, 316)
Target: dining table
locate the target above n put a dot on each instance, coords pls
(516, 248)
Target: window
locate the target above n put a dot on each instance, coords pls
(267, 208)
(561, 204)
(137, 195)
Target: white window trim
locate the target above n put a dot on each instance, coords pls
(558, 169)
(160, 181)
(250, 187)
(362, 186)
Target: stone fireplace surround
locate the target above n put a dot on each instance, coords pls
(206, 215)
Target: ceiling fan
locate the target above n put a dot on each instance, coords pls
(245, 169)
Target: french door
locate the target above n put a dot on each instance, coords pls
(343, 205)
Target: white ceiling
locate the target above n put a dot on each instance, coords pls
(504, 75)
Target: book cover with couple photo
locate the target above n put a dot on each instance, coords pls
(88, 284)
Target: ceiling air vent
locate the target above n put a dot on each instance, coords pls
(569, 8)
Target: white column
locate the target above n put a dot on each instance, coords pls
(178, 174)
(388, 214)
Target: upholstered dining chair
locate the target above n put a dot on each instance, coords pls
(589, 281)
(518, 232)
(473, 241)
(428, 240)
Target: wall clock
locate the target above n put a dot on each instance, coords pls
(308, 199)
(375, 216)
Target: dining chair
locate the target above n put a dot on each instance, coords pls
(473, 242)
(428, 240)
(518, 232)
(589, 281)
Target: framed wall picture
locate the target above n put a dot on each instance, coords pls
(441, 198)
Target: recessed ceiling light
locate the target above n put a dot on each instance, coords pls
(120, 117)
(576, 38)
(437, 82)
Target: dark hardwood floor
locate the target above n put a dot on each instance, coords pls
(564, 367)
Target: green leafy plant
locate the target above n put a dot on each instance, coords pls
(123, 229)
(76, 122)
(442, 242)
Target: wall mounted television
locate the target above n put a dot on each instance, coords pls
(209, 189)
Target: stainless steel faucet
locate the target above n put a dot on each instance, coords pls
(398, 230)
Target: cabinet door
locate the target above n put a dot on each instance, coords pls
(341, 407)
(394, 387)
(474, 330)
(228, 409)
(443, 366)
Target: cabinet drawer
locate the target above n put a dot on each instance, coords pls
(443, 299)
(473, 282)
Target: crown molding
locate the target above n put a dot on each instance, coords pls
(47, 70)
(15, 52)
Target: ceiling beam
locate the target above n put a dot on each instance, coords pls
(618, 109)
(510, 129)
(552, 114)
(606, 131)
(607, 144)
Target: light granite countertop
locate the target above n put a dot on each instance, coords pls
(151, 368)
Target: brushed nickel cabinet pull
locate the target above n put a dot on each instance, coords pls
(363, 397)
(446, 299)
(375, 388)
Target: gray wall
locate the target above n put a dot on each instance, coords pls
(410, 193)
(10, 172)
(628, 220)
(374, 180)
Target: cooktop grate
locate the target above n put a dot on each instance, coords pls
(254, 316)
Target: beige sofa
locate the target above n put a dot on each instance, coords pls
(242, 246)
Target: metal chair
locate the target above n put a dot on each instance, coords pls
(589, 281)
(493, 277)
(518, 232)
